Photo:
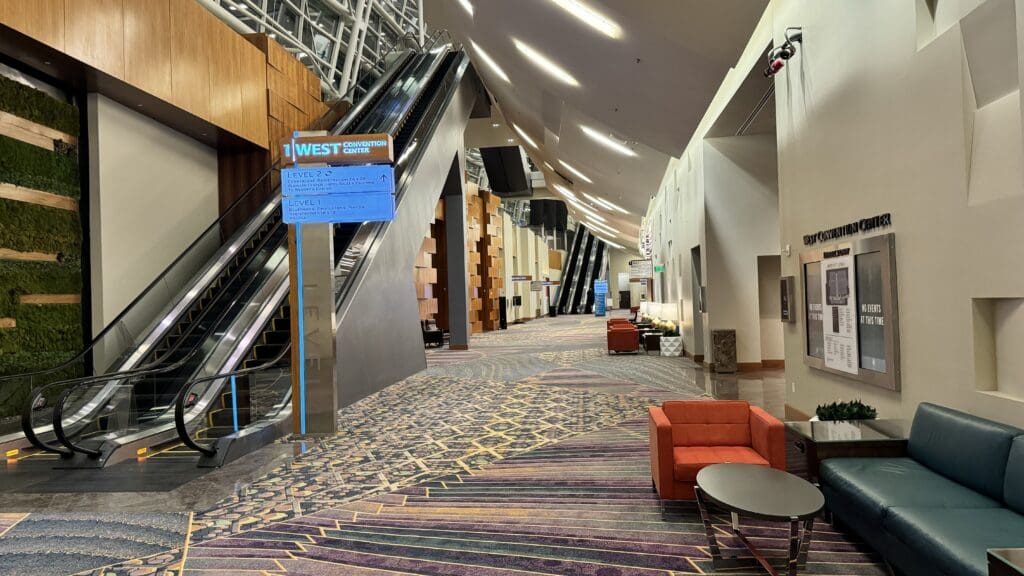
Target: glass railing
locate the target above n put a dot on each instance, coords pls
(79, 405)
(156, 307)
(214, 407)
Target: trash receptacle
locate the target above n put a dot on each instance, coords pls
(552, 311)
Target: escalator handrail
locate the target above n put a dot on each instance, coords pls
(75, 384)
(149, 288)
(156, 364)
(180, 400)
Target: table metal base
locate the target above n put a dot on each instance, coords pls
(799, 544)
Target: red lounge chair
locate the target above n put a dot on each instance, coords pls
(623, 338)
(688, 435)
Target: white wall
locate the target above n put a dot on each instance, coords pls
(619, 263)
(742, 204)
(888, 108)
(872, 123)
(152, 191)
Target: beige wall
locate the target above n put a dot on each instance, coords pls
(742, 223)
(152, 191)
(894, 126)
(920, 118)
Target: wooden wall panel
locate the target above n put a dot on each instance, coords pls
(147, 46)
(225, 92)
(40, 19)
(254, 93)
(192, 32)
(94, 34)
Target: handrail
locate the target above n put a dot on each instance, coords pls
(75, 384)
(154, 366)
(149, 288)
(179, 401)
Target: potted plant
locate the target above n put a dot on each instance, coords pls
(671, 341)
(843, 411)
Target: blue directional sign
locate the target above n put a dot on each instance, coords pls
(600, 297)
(338, 194)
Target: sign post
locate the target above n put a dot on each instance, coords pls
(332, 179)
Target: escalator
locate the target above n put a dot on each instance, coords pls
(212, 366)
(565, 291)
(586, 263)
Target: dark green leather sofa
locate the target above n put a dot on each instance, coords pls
(959, 492)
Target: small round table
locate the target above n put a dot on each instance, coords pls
(765, 494)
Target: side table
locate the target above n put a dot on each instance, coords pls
(808, 443)
(1006, 562)
(652, 342)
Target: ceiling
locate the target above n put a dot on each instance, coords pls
(648, 88)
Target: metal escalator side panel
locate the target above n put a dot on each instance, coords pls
(371, 354)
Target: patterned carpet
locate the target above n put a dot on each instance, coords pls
(525, 455)
(582, 507)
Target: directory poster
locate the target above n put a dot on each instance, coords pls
(839, 314)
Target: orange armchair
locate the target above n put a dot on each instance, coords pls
(688, 435)
(623, 338)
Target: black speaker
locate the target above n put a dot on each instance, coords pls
(502, 313)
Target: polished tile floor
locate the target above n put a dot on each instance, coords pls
(459, 469)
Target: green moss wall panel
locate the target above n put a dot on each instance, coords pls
(31, 104)
(33, 167)
(34, 228)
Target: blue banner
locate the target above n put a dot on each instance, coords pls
(600, 297)
(338, 194)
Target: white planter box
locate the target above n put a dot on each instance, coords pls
(671, 345)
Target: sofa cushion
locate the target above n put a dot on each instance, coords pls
(709, 422)
(955, 539)
(873, 485)
(688, 460)
(1013, 486)
(969, 450)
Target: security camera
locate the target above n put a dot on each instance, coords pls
(777, 56)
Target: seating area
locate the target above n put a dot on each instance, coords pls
(623, 336)
(689, 435)
(958, 492)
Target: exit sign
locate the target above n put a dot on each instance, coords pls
(659, 268)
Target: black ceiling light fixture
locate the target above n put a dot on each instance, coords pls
(777, 56)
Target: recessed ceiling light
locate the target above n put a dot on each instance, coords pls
(495, 124)
(608, 141)
(467, 6)
(511, 140)
(565, 191)
(589, 211)
(301, 55)
(232, 8)
(489, 61)
(273, 35)
(609, 242)
(578, 174)
(603, 227)
(545, 63)
(591, 17)
(524, 136)
(606, 203)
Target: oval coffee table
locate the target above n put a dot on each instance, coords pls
(765, 494)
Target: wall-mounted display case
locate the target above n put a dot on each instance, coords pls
(851, 315)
